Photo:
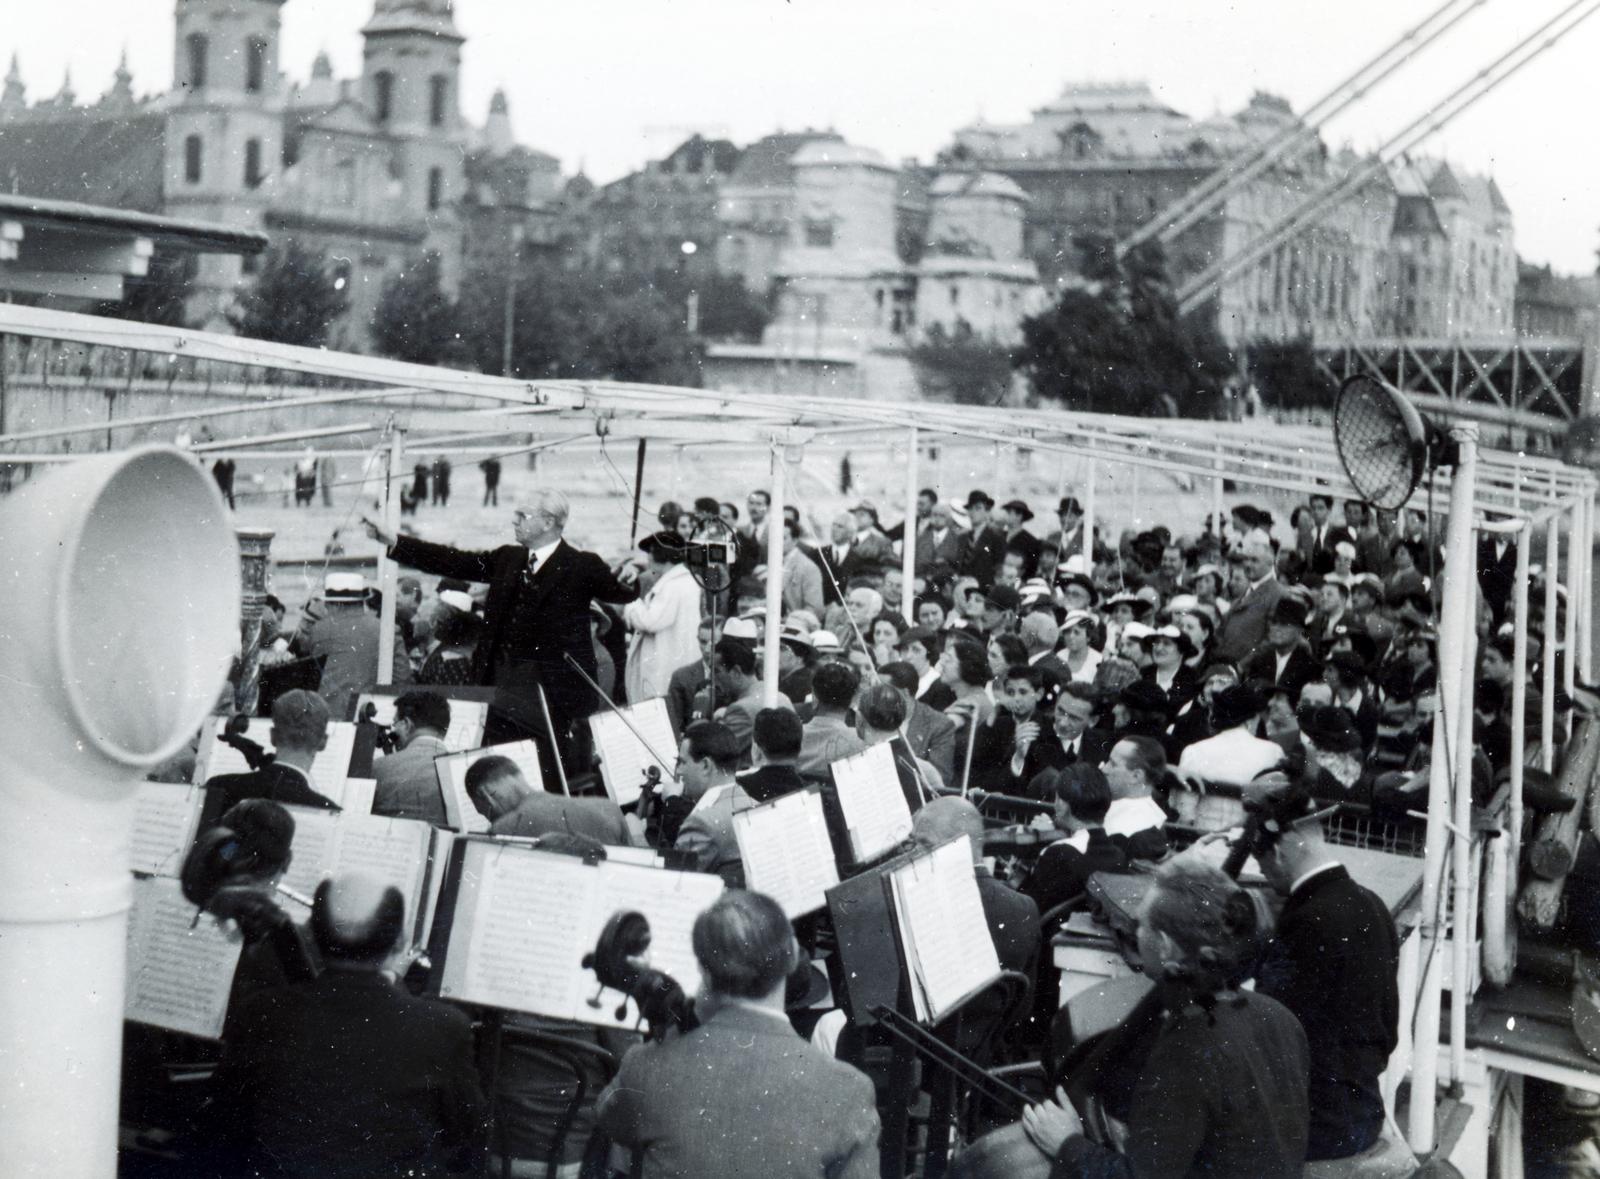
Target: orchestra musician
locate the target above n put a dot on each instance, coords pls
(1223, 1089)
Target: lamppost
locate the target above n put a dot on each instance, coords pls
(692, 310)
(511, 299)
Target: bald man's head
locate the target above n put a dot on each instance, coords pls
(357, 919)
(945, 819)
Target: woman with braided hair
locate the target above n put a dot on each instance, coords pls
(1223, 1088)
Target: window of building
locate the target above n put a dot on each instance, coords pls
(435, 188)
(252, 163)
(955, 295)
(291, 150)
(819, 233)
(344, 181)
(255, 65)
(198, 48)
(192, 148)
(438, 99)
(250, 264)
(383, 95)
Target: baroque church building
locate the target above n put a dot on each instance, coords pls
(371, 171)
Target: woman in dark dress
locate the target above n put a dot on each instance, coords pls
(1222, 1090)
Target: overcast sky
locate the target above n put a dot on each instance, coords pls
(611, 83)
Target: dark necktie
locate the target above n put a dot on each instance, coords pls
(533, 564)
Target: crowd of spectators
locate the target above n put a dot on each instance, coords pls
(1154, 686)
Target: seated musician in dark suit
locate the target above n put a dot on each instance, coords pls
(1222, 1090)
(1333, 960)
(1135, 821)
(497, 789)
(742, 1093)
(776, 737)
(1063, 869)
(349, 1076)
(299, 733)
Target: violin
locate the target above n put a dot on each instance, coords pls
(233, 735)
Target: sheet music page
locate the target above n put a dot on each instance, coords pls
(394, 851)
(328, 771)
(441, 841)
(164, 818)
(452, 771)
(314, 834)
(332, 766)
(942, 927)
(178, 977)
(358, 795)
(623, 757)
(524, 919)
(874, 806)
(220, 758)
(644, 857)
(670, 901)
(786, 851)
(467, 718)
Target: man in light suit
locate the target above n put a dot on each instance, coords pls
(708, 759)
(496, 787)
(407, 784)
(1246, 624)
(1235, 755)
(802, 577)
(665, 621)
(941, 547)
(929, 732)
(743, 1091)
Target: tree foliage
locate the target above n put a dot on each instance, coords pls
(295, 299)
(1287, 374)
(161, 296)
(962, 367)
(580, 323)
(1116, 343)
(416, 318)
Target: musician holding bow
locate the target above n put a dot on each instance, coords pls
(1223, 1089)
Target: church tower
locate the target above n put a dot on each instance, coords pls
(224, 128)
(411, 76)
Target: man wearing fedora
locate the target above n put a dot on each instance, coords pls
(1014, 516)
(1068, 539)
(1284, 660)
(986, 541)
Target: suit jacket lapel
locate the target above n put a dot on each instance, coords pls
(546, 577)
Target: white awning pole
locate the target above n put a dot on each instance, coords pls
(1455, 618)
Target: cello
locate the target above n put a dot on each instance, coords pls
(1116, 1022)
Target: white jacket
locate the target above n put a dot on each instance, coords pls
(665, 625)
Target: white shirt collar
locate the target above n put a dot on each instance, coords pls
(1128, 816)
(1078, 840)
(925, 681)
(541, 554)
(1305, 876)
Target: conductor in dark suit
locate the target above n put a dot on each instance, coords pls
(742, 1094)
(1334, 962)
(349, 1076)
(299, 733)
(536, 615)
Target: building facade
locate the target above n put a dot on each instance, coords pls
(1103, 159)
(373, 170)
